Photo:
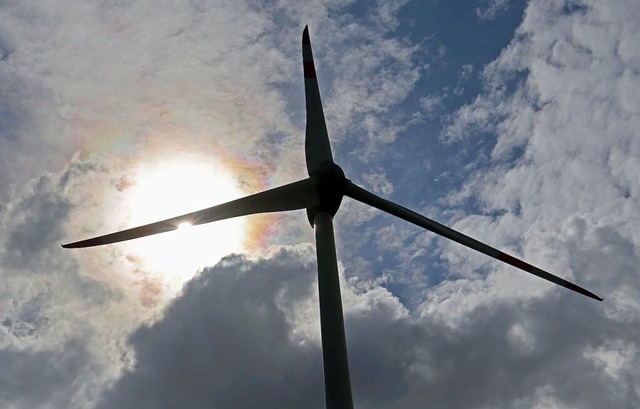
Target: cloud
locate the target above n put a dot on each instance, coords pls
(431, 104)
(129, 93)
(492, 9)
(227, 342)
(372, 73)
(58, 340)
(556, 100)
(42, 378)
(559, 115)
(230, 340)
(379, 183)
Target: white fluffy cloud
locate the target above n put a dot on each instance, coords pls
(571, 117)
(558, 99)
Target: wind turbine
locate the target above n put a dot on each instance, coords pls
(321, 194)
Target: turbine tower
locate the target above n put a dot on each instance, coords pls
(321, 194)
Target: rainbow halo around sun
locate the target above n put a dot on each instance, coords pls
(166, 189)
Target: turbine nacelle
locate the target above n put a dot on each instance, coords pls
(330, 187)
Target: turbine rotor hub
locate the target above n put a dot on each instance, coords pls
(330, 187)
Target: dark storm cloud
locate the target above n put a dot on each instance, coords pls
(38, 379)
(226, 343)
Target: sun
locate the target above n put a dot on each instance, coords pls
(164, 189)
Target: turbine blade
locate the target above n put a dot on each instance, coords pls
(364, 196)
(316, 143)
(293, 196)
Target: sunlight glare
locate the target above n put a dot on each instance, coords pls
(168, 189)
(184, 225)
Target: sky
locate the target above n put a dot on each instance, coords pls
(513, 122)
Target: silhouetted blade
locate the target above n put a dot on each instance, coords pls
(316, 142)
(369, 198)
(297, 195)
